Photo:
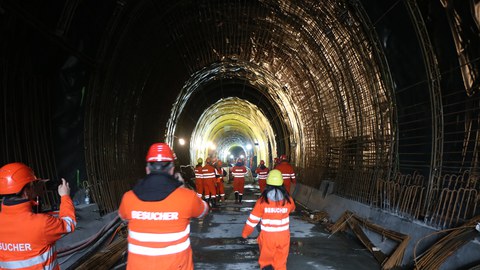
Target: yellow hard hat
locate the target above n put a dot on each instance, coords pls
(275, 178)
(199, 161)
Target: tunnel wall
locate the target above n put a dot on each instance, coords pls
(421, 235)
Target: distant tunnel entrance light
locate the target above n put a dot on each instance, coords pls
(181, 141)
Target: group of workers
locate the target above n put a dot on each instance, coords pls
(158, 211)
(209, 181)
(281, 164)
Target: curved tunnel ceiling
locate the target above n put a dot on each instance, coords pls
(229, 123)
(310, 64)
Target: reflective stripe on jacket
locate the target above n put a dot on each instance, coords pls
(239, 172)
(198, 172)
(287, 171)
(274, 217)
(27, 240)
(262, 173)
(160, 228)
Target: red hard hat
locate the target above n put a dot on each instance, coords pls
(219, 163)
(14, 176)
(283, 157)
(160, 152)
(262, 162)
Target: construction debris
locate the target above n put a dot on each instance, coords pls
(355, 223)
(438, 253)
(316, 217)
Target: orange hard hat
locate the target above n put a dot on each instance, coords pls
(14, 176)
(283, 157)
(208, 160)
(219, 163)
(160, 152)
(262, 162)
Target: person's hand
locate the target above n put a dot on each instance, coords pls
(63, 188)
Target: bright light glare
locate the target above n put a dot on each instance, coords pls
(231, 156)
(181, 141)
(249, 146)
(242, 156)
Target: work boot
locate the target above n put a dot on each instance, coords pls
(268, 267)
(236, 197)
(214, 203)
(240, 199)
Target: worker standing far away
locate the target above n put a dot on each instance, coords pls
(219, 174)
(287, 172)
(272, 209)
(239, 172)
(262, 172)
(209, 182)
(27, 239)
(199, 177)
(158, 210)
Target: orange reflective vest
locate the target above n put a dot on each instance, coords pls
(239, 172)
(27, 240)
(209, 181)
(287, 171)
(158, 231)
(262, 173)
(274, 237)
(199, 180)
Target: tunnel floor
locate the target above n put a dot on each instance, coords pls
(217, 243)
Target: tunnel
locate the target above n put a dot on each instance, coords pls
(375, 103)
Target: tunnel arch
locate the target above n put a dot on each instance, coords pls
(331, 107)
(232, 122)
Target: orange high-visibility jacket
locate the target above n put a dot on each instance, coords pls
(159, 230)
(239, 172)
(287, 171)
(274, 237)
(199, 180)
(209, 181)
(274, 217)
(262, 173)
(27, 240)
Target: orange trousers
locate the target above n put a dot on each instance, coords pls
(210, 190)
(239, 185)
(274, 248)
(199, 186)
(220, 188)
(286, 184)
(262, 183)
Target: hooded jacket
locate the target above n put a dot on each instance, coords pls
(158, 210)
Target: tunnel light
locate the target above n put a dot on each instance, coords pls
(242, 156)
(181, 141)
(231, 156)
(249, 147)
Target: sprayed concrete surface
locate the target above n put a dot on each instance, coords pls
(217, 242)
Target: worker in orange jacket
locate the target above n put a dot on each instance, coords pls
(27, 239)
(287, 172)
(272, 209)
(158, 210)
(209, 182)
(199, 177)
(239, 172)
(262, 172)
(219, 174)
